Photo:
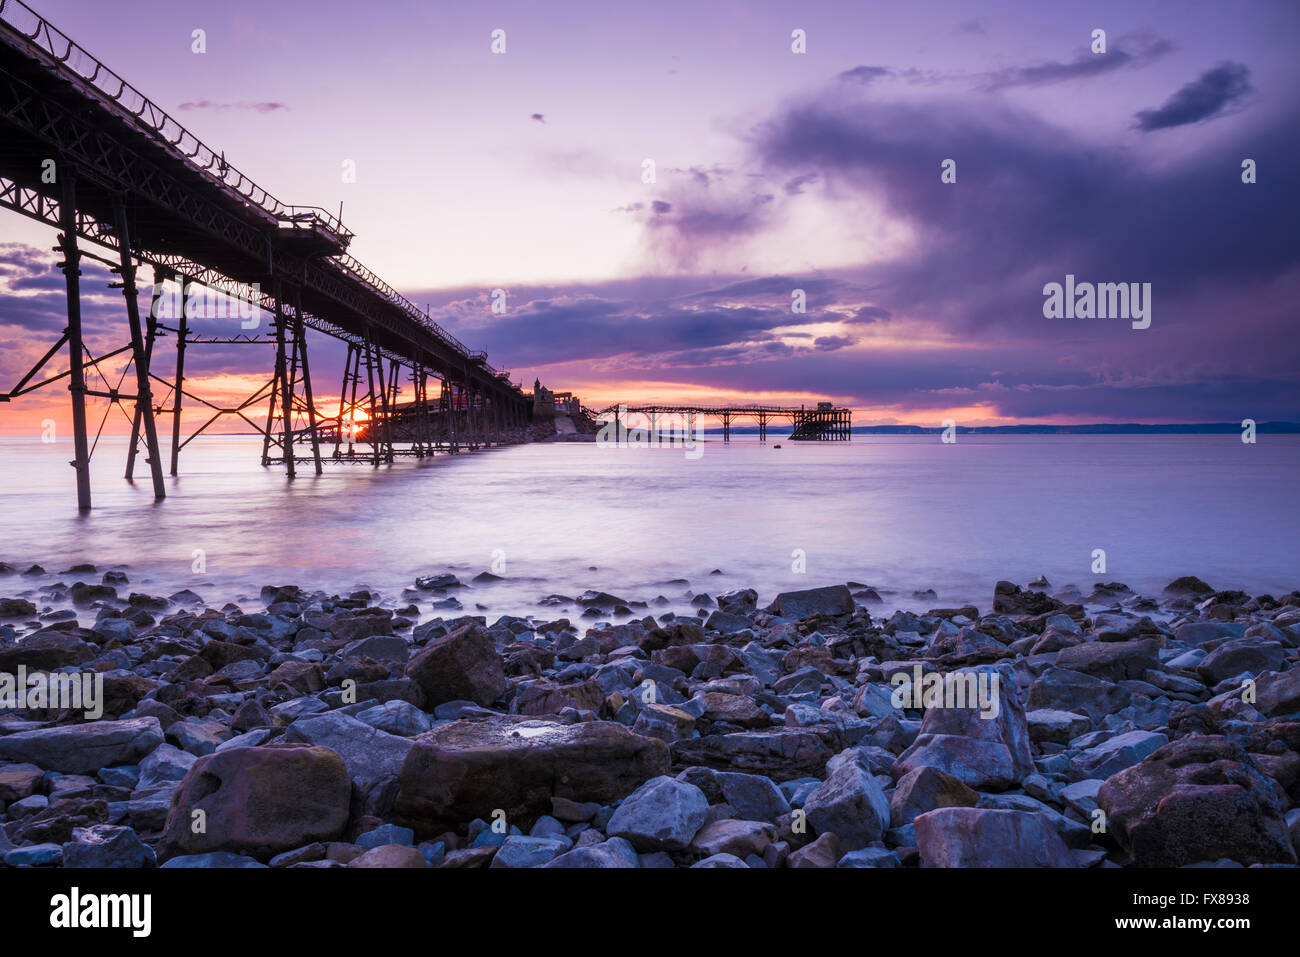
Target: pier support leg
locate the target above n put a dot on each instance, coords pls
(76, 350)
(300, 335)
(139, 354)
(182, 331)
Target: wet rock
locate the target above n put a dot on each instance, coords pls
(259, 801)
(47, 651)
(469, 768)
(1188, 585)
(979, 837)
(1199, 798)
(831, 600)
(1009, 599)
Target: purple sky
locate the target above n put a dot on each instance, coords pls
(775, 171)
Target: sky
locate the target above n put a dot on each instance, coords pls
(775, 172)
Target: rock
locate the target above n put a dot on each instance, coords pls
(849, 803)
(373, 758)
(107, 845)
(979, 837)
(390, 855)
(1057, 727)
(926, 789)
(260, 801)
(737, 709)
(1240, 655)
(518, 851)
(1199, 798)
(462, 665)
(387, 834)
(616, 852)
(823, 852)
(396, 717)
(1008, 599)
(1188, 585)
(778, 753)
(986, 751)
(84, 748)
(831, 600)
(728, 836)
(34, 855)
(1115, 754)
(870, 857)
(18, 781)
(721, 860)
(468, 769)
(1111, 660)
(663, 722)
(1279, 693)
(45, 652)
(221, 860)
(1060, 689)
(198, 736)
(662, 814)
(164, 764)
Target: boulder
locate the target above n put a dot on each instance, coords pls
(461, 666)
(84, 748)
(259, 801)
(986, 751)
(1238, 655)
(1115, 754)
(470, 768)
(1111, 660)
(662, 814)
(983, 837)
(926, 789)
(849, 803)
(780, 754)
(1200, 798)
(107, 845)
(1060, 689)
(831, 600)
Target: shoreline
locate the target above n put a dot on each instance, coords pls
(814, 731)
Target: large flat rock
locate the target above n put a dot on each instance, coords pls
(471, 768)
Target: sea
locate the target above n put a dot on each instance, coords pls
(902, 514)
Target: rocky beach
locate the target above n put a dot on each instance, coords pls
(813, 728)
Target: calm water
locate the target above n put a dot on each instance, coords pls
(900, 513)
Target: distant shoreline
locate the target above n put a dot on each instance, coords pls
(1099, 428)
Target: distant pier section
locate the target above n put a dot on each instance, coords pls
(822, 423)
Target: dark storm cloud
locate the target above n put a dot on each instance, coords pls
(1204, 98)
